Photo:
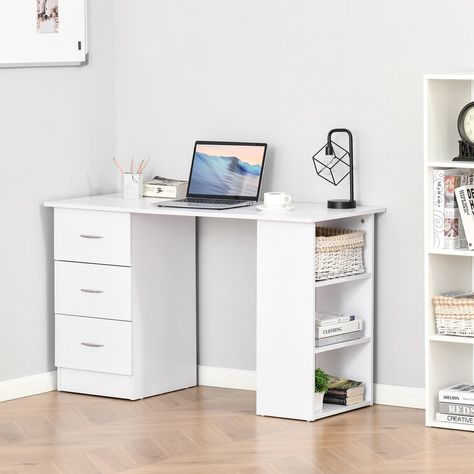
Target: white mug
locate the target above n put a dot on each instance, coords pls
(276, 199)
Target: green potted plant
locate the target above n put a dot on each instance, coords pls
(321, 383)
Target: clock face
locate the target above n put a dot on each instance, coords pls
(466, 123)
(469, 123)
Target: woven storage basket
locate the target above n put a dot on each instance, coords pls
(338, 252)
(454, 316)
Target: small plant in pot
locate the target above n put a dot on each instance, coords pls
(321, 383)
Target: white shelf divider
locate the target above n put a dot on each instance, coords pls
(453, 339)
(451, 164)
(342, 345)
(330, 409)
(336, 281)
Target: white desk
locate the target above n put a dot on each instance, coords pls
(136, 263)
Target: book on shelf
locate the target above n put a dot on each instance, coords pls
(465, 200)
(464, 420)
(327, 341)
(456, 409)
(341, 387)
(336, 329)
(448, 231)
(324, 319)
(343, 400)
(460, 393)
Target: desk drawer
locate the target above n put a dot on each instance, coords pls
(100, 291)
(92, 236)
(98, 345)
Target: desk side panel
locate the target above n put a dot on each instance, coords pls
(285, 319)
(164, 303)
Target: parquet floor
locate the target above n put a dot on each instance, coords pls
(207, 430)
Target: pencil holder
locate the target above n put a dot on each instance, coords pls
(132, 184)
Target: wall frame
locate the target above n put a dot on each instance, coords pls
(43, 33)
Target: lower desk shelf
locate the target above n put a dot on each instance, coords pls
(330, 409)
(342, 345)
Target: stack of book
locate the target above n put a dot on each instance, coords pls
(332, 328)
(456, 404)
(448, 229)
(344, 391)
(165, 188)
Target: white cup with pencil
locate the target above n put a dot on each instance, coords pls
(132, 181)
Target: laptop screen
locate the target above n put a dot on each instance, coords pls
(223, 169)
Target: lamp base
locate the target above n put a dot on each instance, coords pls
(341, 204)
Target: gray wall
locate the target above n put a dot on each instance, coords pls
(280, 71)
(286, 72)
(57, 136)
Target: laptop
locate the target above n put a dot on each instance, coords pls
(223, 175)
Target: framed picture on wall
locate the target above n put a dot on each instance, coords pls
(43, 33)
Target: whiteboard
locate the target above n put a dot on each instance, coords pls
(57, 36)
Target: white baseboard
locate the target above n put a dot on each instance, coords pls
(27, 386)
(396, 395)
(227, 378)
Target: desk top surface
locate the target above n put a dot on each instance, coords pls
(304, 212)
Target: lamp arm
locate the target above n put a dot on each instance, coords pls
(351, 156)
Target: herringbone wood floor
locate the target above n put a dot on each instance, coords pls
(207, 430)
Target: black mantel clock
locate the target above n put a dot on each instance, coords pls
(466, 132)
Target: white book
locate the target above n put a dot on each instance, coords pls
(323, 319)
(465, 199)
(337, 329)
(459, 393)
(462, 419)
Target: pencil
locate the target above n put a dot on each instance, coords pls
(131, 166)
(144, 166)
(140, 167)
(118, 165)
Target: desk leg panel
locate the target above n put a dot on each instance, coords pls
(285, 319)
(164, 303)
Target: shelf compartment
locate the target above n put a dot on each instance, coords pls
(330, 409)
(335, 281)
(342, 345)
(453, 339)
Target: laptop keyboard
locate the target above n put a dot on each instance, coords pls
(211, 201)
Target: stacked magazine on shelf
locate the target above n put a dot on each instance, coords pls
(456, 404)
(465, 201)
(448, 230)
(332, 328)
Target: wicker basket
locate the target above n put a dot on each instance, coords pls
(338, 252)
(454, 316)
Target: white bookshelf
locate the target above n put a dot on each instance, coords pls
(353, 294)
(285, 370)
(448, 359)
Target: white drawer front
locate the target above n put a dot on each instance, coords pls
(98, 345)
(92, 236)
(100, 291)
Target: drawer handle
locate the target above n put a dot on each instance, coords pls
(95, 292)
(90, 344)
(87, 236)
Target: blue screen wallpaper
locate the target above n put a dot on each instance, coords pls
(225, 175)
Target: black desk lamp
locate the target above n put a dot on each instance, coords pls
(336, 168)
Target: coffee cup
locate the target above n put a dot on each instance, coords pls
(274, 199)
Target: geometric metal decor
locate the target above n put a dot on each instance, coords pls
(334, 165)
